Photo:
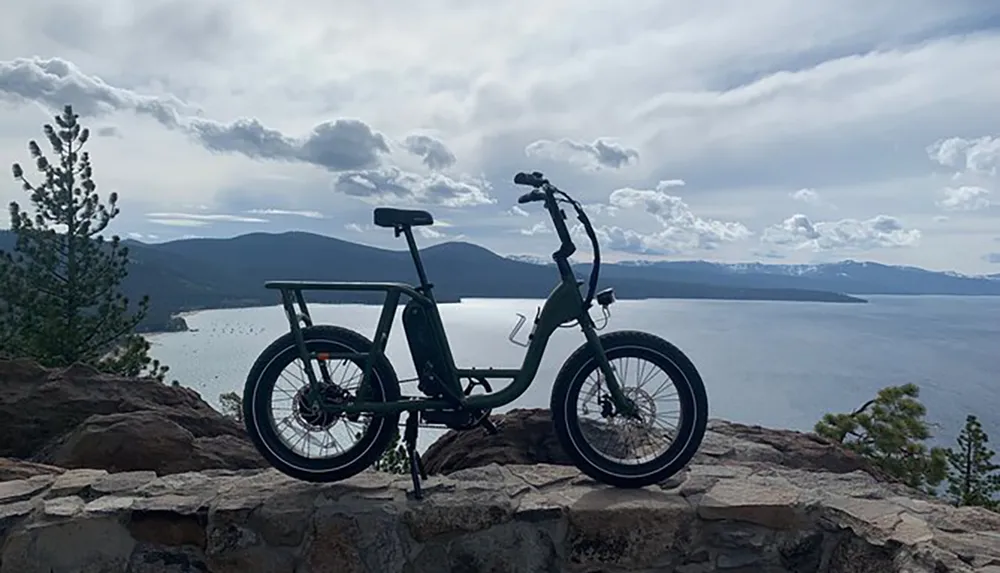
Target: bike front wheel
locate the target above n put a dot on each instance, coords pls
(628, 452)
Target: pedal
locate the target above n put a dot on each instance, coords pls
(489, 426)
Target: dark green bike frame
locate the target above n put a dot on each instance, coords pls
(563, 304)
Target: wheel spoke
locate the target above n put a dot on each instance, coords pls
(630, 441)
(304, 428)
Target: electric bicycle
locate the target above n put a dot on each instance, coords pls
(339, 377)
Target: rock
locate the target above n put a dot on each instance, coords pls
(18, 469)
(734, 441)
(146, 440)
(744, 516)
(528, 438)
(77, 417)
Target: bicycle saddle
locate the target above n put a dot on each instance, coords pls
(388, 217)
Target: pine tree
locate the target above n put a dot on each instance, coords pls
(60, 286)
(890, 431)
(973, 478)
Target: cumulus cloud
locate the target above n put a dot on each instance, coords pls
(681, 230)
(965, 198)
(805, 196)
(435, 153)
(600, 154)
(341, 145)
(881, 231)
(391, 185)
(56, 82)
(978, 155)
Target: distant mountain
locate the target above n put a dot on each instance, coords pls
(196, 274)
(854, 277)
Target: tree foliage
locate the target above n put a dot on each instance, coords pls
(973, 478)
(394, 460)
(232, 405)
(60, 286)
(890, 431)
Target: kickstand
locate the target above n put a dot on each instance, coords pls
(416, 464)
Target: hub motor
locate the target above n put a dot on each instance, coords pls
(311, 413)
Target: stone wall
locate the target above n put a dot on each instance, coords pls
(493, 519)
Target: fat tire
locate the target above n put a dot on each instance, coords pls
(690, 389)
(257, 416)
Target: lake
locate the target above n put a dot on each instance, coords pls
(778, 364)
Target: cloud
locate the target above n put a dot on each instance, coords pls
(108, 131)
(594, 156)
(722, 95)
(681, 230)
(965, 198)
(287, 212)
(881, 231)
(517, 211)
(391, 185)
(56, 82)
(992, 258)
(198, 219)
(341, 145)
(978, 155)
(806, 196)
(357, 228)
(435, 154)
(536, 229)
(141, 236)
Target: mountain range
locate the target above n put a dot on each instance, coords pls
(192, 274)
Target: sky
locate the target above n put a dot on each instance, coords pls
(772, 130)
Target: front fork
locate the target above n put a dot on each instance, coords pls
(623, 404)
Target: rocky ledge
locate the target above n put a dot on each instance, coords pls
(514, 518)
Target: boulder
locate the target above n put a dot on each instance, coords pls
(146, 440)
(78, 417)
(752, 516)
(527, 437)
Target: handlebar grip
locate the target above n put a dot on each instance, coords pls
(531, 196)
(534, 179)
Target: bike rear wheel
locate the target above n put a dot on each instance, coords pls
(671, 446)
(278, 432)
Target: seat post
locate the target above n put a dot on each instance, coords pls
(415, 253)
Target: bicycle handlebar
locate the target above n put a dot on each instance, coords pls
(534, 179)
(545, 191)
(531, 196)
